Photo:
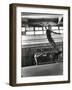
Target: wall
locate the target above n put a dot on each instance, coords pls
(4, 45)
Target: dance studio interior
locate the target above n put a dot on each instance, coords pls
(39, 55)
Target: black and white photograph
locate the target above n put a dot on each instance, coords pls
(41, 44)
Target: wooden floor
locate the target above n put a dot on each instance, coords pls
(43, 70)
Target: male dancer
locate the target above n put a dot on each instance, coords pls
(49, 37)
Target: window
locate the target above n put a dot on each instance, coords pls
(54, 27)
(30, 33)
(40, 30)
(60, 27)
(31, 28)
(44, 32)
(27, 28)
(36, 28)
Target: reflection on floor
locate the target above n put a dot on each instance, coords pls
(43, 70)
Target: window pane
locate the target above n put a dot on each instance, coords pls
(61, 31)
(36, 28)
(27, 28)
(39, 32)
(30, 33)
(60, 27)
(31, 28)
(40, 28)
(23, 29)
(44, 32)
(54, 27)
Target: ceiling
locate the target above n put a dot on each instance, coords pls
(42, 19)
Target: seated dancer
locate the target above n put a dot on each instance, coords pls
(50, 39)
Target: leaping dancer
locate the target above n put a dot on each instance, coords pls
(49, 37)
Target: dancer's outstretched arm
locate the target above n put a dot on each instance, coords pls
(55, 32)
